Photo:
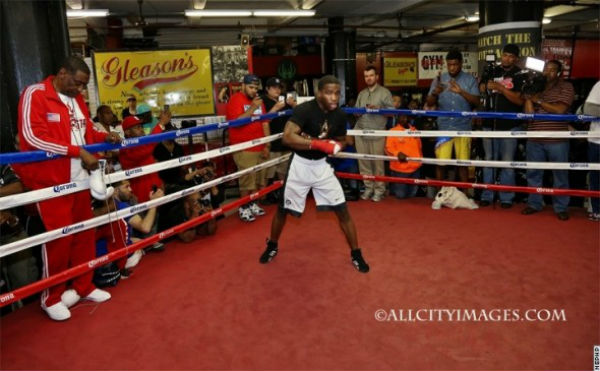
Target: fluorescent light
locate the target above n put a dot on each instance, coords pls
(284, 13)
(72, 13)
(217, 13)
(546, 20)
(472, 18)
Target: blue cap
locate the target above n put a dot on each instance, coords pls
(251, 79)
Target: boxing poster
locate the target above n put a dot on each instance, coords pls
(399, 71)
(181, 79)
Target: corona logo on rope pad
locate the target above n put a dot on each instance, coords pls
(179, 78)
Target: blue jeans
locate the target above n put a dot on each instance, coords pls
(548, 152)
(499, 149)
(401, 190)
(594, 158)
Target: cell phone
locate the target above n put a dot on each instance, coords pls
(281, 98)
(291, 95)
(166, 107)
(154, 188)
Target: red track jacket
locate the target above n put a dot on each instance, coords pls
(44, 124)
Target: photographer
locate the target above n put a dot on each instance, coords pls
(190, 207)
(556, 98)
(502, 88)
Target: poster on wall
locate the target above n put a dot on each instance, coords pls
(561, 50)
(432, 63)
(399, 71)
(181, 79)
(230, 64)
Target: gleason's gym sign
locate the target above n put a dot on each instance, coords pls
(180, 78)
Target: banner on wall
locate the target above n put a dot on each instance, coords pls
(432, 63)
(561, 50)
(492, 38)
(399, 71)
(181, 79)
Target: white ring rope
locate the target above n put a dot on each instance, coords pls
(26, 243)
(476, 133)
(479, 163)
(73, 187)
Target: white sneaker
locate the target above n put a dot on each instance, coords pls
(246, 214)
(366, 194)
(134, 259)
(377, 197)
(69, 298)
(98, 296)
(256, 210)
(58, 311)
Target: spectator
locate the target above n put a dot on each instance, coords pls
(141, 155)
(556, 98)
(20, 268)
(149, 121)
(119, 234)
(53, 117)
(130, 110)
(505, 94)
(244, 104)
(454, 90)
(403, 147)
(373, 96)
(274, 101)
(190, 207)
(592, 107)
(107, 122)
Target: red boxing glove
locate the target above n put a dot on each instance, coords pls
(331, 147)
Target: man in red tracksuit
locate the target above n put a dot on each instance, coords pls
(53, 117)
(141, 155)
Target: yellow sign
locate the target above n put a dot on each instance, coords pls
(181, 79)
(400, 71)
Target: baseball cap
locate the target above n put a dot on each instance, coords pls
(131, 121)
(512, 49)
(251, 79)
(142, 108)
(273, 81)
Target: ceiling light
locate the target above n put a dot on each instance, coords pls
(284, 13)
(72, 13)
(472, 18)
(217, 13)
(546, 20)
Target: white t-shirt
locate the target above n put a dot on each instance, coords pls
(78, 124)
(594, 98)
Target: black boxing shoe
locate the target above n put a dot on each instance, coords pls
(359, 263)
(270, 252)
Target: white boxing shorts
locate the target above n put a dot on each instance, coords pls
(304, 175)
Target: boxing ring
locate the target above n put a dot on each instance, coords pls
(210, 304)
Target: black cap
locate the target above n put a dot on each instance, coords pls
(512, 49)
(273, 81)
(251, 79)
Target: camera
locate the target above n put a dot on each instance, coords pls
(491, 69)
(532, 80)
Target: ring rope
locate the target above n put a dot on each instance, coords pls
(32, 156)
(19, 157)
(470, 114)
(73, 187)
(476, 133)
(26, 243)
(479, 163)
(25, 291)
(493, 187)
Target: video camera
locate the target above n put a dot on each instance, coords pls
(531, 78)
(491, 69)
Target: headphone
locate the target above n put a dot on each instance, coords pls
(558, 65)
